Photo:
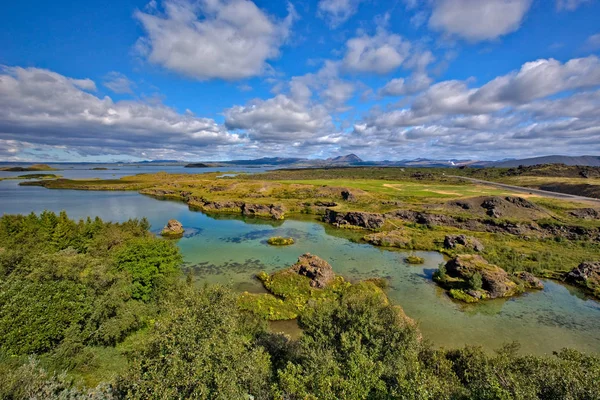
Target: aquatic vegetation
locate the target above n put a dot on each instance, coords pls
(280, 241)
(412, 259)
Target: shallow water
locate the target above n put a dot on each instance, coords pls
(231, 250)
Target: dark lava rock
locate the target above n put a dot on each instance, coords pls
(275, 211)
(520, 202)
(496, 281)
(530, 281)
(318, 270)
(348, 196)
(462, 204)
(586, 213)
(421, 176)
(325, 204)
(586, 272)
(355, 218)
(451, 241)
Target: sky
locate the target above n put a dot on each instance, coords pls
(237, 79)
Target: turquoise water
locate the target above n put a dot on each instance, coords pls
(231, 250)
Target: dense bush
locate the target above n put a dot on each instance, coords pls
(65, 285)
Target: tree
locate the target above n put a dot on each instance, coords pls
(201, 349)
(150, 262)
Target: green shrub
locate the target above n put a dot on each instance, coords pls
(475, 281)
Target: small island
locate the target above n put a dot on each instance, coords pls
(470, 278)
(173, 229)
(280, 241)
(412, 259)
(198, 165)
(34, 167)
(310, 280)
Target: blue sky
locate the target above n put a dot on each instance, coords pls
(223, 79)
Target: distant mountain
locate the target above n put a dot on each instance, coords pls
(263, 161)
(350, 159)
(590, 161)
(347, 159)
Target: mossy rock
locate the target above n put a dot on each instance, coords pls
(173, 229)
(280, 241)
(461, 295)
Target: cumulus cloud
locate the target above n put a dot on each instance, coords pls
(118, 83)
(280, 119)
(382, 53)
(336, 12)
(43, 107)
(478, 20)
(400, 86)
(207, 39)
(542, 105)
(593, 42)
(570, 5)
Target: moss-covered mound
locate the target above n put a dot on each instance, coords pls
(471, 278)
(414, 260)
(280, 241)
(292, 290)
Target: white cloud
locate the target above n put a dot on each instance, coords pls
(570, 5)
(539, 79)
(382, 53)
(477, 20)
(593, 42)
(544, 105)
(336, 12)
(118, 83)
(43, 107)
(400, 86)
(280, 119)
(206, 39)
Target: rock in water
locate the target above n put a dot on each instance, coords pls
(318, 270)
(173, 228)
(496, 281)
(530, 281)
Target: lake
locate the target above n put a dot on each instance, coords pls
(231, 250)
